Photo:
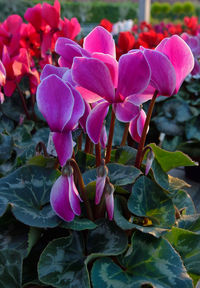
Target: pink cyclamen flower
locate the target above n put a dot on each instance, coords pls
(99, 40)
(62, 107)
(136, 125)
(117, 86)
(64, 198)
(170, 63)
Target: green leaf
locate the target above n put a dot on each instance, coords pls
(149, 200)
(3, 205)
(119, 174)
(6, 146)
(14, 236)
(182, 200)
(10, 269)
(42, 161)
(124, 155)
(85, 161)
(170, 160)
(28, 191)
(176, 184)
(159, 176)
(187, 244)
(192, 130)
(79, 224)
(148, 261)
(106, 239)
(128, 224)
(62, 263)
(190, 222)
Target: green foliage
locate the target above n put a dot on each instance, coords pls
(89, 12)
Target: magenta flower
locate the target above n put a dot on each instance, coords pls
(194, 44)
(170, 63)
(99, 41)
(101, 78)
(62, 107)
(64, 198)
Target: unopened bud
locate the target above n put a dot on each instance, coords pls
(102, 170)
(150, 158)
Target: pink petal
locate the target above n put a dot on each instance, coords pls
(2, 74)
(134, 74)
(78, 110)
(34, 16)
(109, 205)
(196, 69)
(100, 40)
(180, 56)
(63, 145)
(73, 196)
(111, 63)
(83, 119)
(69, 49)
(9, 87)
(140, 122)
(59, 199)
(95, 121)
(92, 74)
(163, 76)
(146, 95)
(126, 110)
(103, 137)
(136, 126)
(51, 69)
(87, 95)
(100, 184)
(51, 14)
(55, 102)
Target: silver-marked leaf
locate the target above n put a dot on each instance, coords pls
(149, 200)
(107, 239)
(148, 261)
(28, 190)
(10, 269)
(79, 224)
(6, 145)
(160, 176)
(182, 200)
(187, 244)
(124, 155)
(125, 224)
(190, 222)
(14, 236)
(62, 263)
(3, 205)
(119, 174)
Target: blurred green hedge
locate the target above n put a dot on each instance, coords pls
(176, 11)
(89, 12)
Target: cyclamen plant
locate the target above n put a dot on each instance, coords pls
(107, 216)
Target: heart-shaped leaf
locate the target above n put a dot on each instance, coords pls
(190, 222)
(3, 205)
(149, 200)
(62, 263)
(28, 191)
(148, 261)
(10, 269)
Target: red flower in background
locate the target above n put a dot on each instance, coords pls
(106, 24)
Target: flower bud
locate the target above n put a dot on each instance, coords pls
(150, 158)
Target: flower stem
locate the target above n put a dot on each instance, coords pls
(23, 101)
(82, 188)
(139, 155)
(125, 135)
(98, 154)
(110, 137)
